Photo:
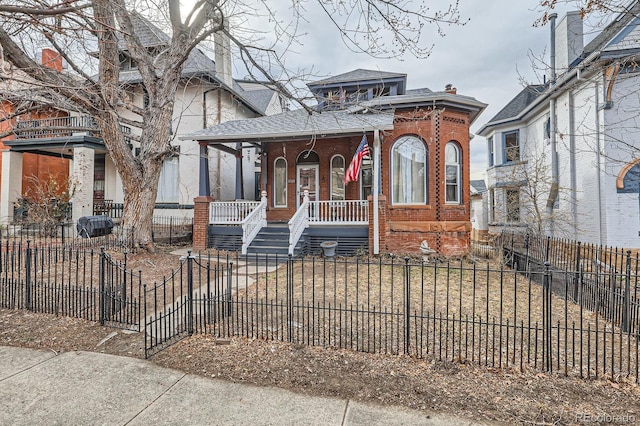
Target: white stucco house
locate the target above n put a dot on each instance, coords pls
(207, 95)
(564, 156)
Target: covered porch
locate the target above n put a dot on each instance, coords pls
(303, 198)
(72, 138)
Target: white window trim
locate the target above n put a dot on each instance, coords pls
(424, 181)
(458, 174)
(286, 177)
(344, 162)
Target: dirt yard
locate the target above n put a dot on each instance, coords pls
(479, 393)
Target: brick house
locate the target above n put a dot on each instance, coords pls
(564, 156)
(412, 187)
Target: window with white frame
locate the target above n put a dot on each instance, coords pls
(337, 172)
(452, 173)
(490, 151)
(366, 177)
(280, 182)
(511, 142)
(512, 196)
(168, 185)
(409, 171)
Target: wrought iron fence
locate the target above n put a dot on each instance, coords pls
(602, 279)
(70, 282)
(457, 312)
(165, 230)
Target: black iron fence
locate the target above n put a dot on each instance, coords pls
(602, 279)
(66, 281)
(165, 230)
(457, 311)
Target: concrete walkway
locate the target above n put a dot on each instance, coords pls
(81, 388)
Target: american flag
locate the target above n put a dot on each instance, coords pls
(351, 175)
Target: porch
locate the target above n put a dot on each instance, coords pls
(243, 226)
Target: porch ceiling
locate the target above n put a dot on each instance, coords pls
(58, 147)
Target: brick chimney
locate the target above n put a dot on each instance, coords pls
(450, 89)
(51, 59)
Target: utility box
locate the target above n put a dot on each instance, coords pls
(94, 226)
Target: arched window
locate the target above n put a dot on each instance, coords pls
(409, 171)
(280, 182)
(337, 172)
(452, 171)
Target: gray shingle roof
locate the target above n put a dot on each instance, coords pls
(148, 34)
(519, 103)
(259, 98)
(357, 75)
(611, 30)
(294, 124)
(478, 186)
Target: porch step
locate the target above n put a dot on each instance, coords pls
(274, 239)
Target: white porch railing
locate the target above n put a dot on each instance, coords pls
(299, 222)
(351, 212)
(230, 212)
(254, 221)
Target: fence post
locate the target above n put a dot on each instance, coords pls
(290, 298)
(526, 252)
(546, 254)
(626, 325)
(546, 318)
(229, 286)
(101, 277)
(190, 292)
(407, 306)
(576, 274)
(27, 294)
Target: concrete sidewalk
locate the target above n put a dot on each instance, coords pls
(79, 388)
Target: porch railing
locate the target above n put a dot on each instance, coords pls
(230, 212)
(54, 127)
(299, 222)
(254, 221)
(339, 212)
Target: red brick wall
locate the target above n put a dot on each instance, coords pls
(326, 149)
(445, 227)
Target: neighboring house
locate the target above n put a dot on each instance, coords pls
(564, 156)
(413, 185)
(479, 210)
(207, 95)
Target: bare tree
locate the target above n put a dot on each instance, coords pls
(91, 35)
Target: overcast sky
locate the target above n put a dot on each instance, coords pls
(487, 58)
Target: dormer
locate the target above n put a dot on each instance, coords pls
(345, 90)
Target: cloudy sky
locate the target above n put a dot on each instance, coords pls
(487, 58)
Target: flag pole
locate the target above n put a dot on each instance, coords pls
(376, 168)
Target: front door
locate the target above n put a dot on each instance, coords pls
(307, 179)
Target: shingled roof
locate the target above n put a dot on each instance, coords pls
(357, 75)
(298, 124)
(519, 103)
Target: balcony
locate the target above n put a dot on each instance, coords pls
(61, 127)
(56, 127)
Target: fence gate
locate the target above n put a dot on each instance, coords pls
(120, 291)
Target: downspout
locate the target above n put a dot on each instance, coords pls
(599, 166)
(376, 190)
(553, 192)
(572, 164)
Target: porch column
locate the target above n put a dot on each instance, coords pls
(204, 187)
(11, 185)
(82, 178)
(239, 180)
(376, 191)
